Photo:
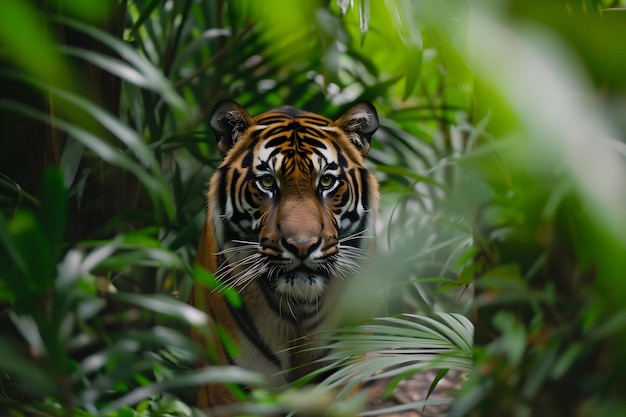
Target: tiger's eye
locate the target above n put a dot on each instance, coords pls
(267, 181)
(327, 180)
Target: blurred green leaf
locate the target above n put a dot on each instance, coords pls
(9, 246)
(166, 305)
(146, 72)
(512, 343)
(407, 173)
(23, 28)
(144, 16)
(70, 161)
(30, 243)
(209, 280)
(54, 210)
(364, 16)
(27, 327)
(39, 381)
(190, 379)
(501, 170)
(101, 148)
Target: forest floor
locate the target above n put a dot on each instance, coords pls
(414, 389)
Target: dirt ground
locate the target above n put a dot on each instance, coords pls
(413, 389)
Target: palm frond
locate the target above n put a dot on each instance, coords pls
(395, 348)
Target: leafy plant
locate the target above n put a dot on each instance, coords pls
(141, 139)
(495, 176)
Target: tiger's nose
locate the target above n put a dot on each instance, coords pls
(302, 247)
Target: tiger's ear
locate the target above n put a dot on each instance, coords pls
(229, 121)
(359, 123)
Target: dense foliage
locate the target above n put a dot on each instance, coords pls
(500, 157)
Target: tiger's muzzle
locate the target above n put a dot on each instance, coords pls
(302, 246)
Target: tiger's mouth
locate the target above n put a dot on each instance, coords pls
(302, 273)
(301, 283)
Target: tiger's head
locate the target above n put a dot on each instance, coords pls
(292, 203)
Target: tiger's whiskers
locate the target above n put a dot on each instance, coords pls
(250, 265)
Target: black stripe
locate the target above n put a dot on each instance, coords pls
(343, 162)
(246, 325)
(246, 161)
(353, 215)
(270, 297)
(313, 325)
(271, 119)
(364, 187)
(279, 140)
(313, 142)
(233, 191)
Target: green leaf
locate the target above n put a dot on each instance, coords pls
(114, 66)
(467, 255)
(54, 210)
(411, 406)
(414, 57)
(70, 161)
(343, 6)
(440, 375)
(145, 71)
(122, 132)
(166, 305)
(100, 254)
(101, 148)
(512, 341)
(26, 370)
(396, 170)
(214, 374)
(564, 362)
(9, 246)
(209, 280)
(29, 330)
(195, 46)
(144, 16)
(364, 18)
(30, 243)
(22, 28)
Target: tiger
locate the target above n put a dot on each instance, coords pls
(291, 212)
